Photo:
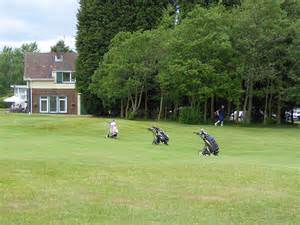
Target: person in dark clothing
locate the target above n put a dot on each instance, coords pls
(221, 116)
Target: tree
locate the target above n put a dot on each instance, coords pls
(200, 55)
(126, 70)
(12, 66)
(98, 23)
(245, 58)
(262, 38)
(29, 47)
(60, 46)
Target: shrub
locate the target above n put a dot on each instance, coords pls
(3, 105)
(189, 115)
(131, 115)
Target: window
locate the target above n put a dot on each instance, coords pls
(65, 78)
(53, 104)
(59, 58)
(59, 77)
(44, 104)
(63, 104)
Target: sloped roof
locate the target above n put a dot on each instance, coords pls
(41, 65)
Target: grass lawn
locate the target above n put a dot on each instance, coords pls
(62, 171)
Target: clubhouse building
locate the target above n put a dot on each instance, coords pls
(50, 79)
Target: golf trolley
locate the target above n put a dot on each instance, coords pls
(211, 146)
(112, 130)
(159, 136)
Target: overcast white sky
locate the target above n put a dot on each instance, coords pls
(43, 21)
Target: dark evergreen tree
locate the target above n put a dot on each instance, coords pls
(60, 46)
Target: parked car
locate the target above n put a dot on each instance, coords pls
(233, 116)
(296, 114)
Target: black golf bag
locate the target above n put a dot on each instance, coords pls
(159, 136)
(211, 146)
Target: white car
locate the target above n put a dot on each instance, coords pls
(234, 116)
(296, 114)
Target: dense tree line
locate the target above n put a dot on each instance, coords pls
(99, 21)
(245, 57)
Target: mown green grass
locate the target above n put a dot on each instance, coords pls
(62, 171)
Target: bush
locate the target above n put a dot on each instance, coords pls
(131, 116)
(3, 105)
(189, 115)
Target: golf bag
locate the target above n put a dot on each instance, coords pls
(211, 146)
(159, 136)
(112, 130)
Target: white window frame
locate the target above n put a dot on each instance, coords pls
(49, 105)
(65, 99)
(59, 58)
(70, 81)
(44, 98)
(58, 100)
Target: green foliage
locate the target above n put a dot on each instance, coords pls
(263, 38)
(3, 105)
(189, 115)
(99, 22)
(127, 68)
(60, 46)
(244, 55)
(12, 66)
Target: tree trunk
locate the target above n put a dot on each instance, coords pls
(175, 113)
(127, 108)
(193, 101)
(270, 110)
(205, 111)
(160, 107)
(212, 107)
(122, 108)
(146, 104)
(133, 104)
(278, 115)
(136, 101)
(266, 110)
(229, 109)
(140, 99)
(166, 112)
(246, 100)
(237, 113)
(250, 103)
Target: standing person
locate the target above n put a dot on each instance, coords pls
(221, 115)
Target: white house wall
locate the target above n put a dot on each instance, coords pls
(50, 85)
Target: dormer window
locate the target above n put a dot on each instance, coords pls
(59, 58)
(65, 78)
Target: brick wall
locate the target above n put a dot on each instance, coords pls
(71, 95)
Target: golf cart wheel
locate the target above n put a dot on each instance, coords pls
(216, 153)
(155, 143)
(205, 152)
